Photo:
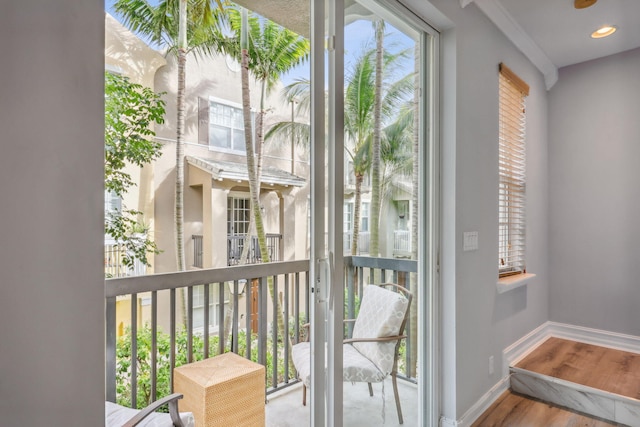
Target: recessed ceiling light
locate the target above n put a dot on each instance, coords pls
(604, 31)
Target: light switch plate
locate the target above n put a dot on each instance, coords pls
(470, 241)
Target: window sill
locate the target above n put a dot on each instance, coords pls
(505, 284)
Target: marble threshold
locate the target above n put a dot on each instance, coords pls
(591, 401)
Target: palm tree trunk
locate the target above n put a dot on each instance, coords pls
(356, 215)
(179, 207)
(375, 155)
(252, 170)
(415, 186)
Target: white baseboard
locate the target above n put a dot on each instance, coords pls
(521, 348)
(595, 336)
(483, 403)
(448, 422)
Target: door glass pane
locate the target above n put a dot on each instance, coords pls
(381, 112)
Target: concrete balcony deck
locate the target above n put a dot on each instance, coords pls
(284, 408)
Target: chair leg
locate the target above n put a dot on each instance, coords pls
(370, 389)
(304, 395)
(395, 392)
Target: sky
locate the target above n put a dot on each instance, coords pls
(358, 36)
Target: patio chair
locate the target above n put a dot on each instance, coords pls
(372, 353)
(120, 416)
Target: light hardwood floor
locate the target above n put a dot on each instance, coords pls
(603, 368)
(512, 410)
(590, 365)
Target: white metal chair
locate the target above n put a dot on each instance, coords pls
(372, 353)
(120, 416)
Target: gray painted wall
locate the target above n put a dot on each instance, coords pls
(51, 283)
(594, 209)
(477, 321)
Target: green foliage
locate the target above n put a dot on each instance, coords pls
(130, 110)
(163, 365)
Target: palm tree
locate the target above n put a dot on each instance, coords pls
(361, 95)
(182, 26)
(266, 51)
(374, 249)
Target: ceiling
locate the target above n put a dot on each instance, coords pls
(563, 32)
(551, 33)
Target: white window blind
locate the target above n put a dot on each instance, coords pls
(512, 183)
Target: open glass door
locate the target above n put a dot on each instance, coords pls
(373, 204)
(388, 215)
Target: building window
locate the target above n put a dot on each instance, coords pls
(512, 180)
(226, 127)
(112, 202)
(364, 217)
(403, 214)
(214, 306)
(348, 217)
(238, 210)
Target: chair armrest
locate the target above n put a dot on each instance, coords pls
(379, 339)
(172, 400)
(306, 335)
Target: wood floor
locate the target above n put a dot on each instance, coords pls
(512, 410)
(602, 368)
(598, 367)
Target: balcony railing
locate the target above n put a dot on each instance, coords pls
(401, 243)
(235, 245)
(140, 356)
(114, 267)
(364, 239)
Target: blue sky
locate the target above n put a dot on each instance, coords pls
(359, 35)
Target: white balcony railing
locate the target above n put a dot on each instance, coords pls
(114, 267)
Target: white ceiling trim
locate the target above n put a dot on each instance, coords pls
(496, 12)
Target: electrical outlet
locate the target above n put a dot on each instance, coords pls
(490, 365)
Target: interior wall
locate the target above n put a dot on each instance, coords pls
(479, 322)
(594, 194)
(51, 182)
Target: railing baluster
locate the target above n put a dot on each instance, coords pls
(248, 315)
(110, 351)
(234, 326)
(134, 350)
(207, 302)
(296, 307)
(172, 332)
(221, 313)
(306, 299)
(274, 333)
(351, 300)
(262, 322)
(189, 324)
(154, 345)
(285, 334)
(405, 280)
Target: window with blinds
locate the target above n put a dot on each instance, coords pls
(512, 183)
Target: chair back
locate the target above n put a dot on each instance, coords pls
(383, 313)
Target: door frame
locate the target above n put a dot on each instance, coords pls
(327, 392)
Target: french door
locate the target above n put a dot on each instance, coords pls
(373, 107)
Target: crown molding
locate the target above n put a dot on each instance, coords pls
(496, 12)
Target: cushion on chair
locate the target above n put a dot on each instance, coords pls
(116, 415)
(381, 314)
(301, 354)
(357, 368)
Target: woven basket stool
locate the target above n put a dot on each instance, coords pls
(225, 390)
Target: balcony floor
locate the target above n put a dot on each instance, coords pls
(284, 408)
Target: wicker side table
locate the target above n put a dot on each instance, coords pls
(225, 390)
